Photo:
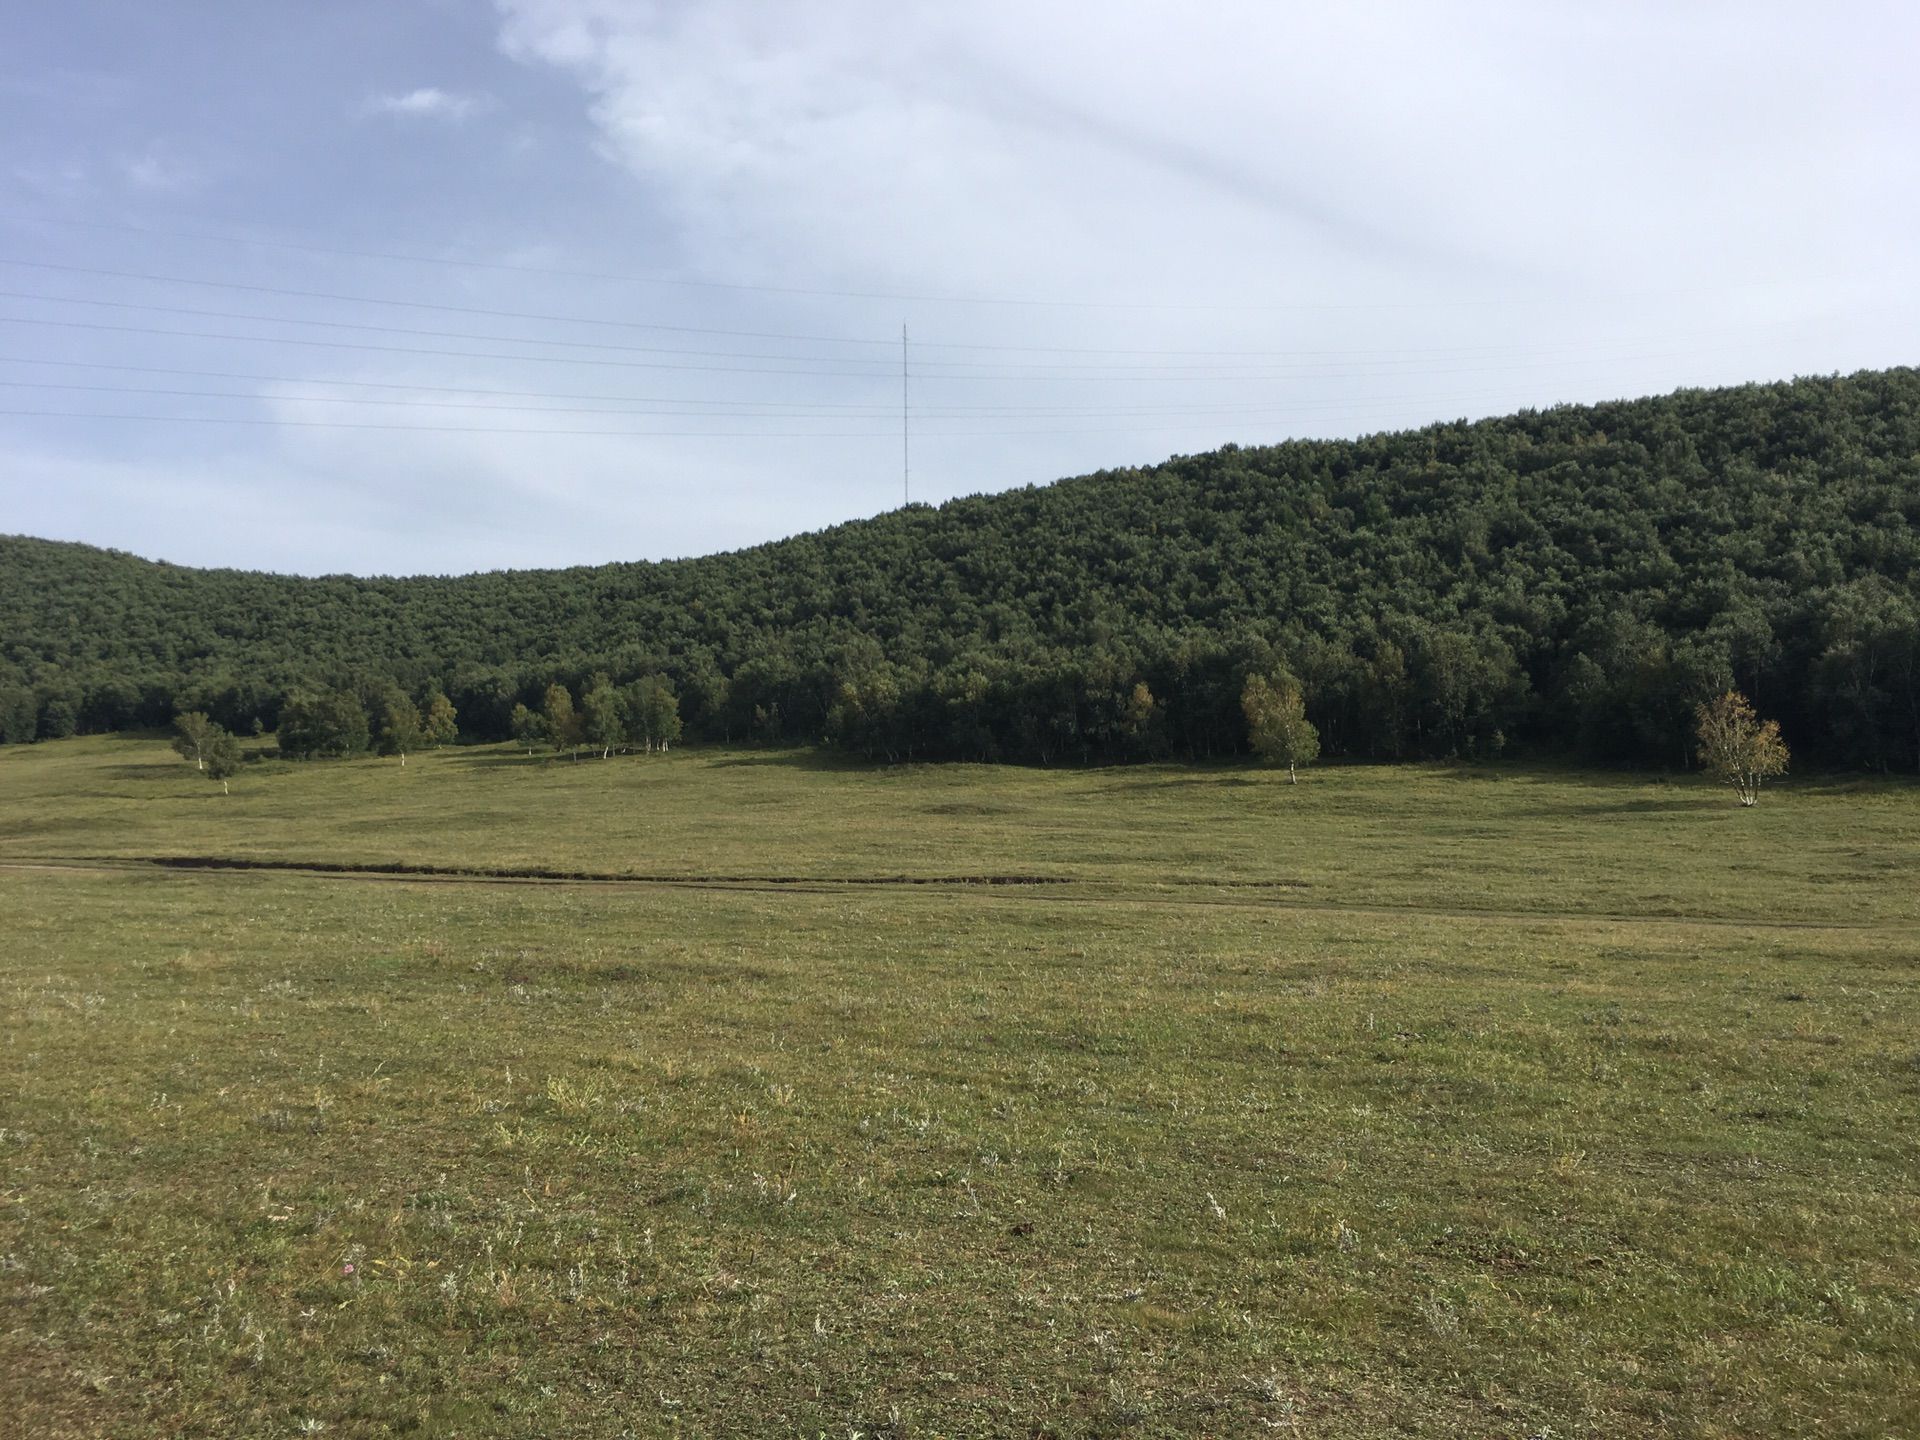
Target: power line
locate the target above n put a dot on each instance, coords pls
(1225, 370)
(1269, 373)
(409, 385)
(425, 334)
(423, 350)
(257, 421)
(789, 413)
(740, 409)
(342, 298)
(1232, 358)
(446, 429)
(1024, 302)
(732, 285)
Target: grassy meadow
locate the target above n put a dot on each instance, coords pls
(1415, 1101)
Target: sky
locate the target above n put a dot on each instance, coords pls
(434, 286)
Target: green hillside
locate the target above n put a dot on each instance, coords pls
(1571, 579)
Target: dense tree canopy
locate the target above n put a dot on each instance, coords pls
(1579, 578)
(324, 724)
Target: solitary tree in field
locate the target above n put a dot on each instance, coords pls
(562, 721)
(1277, 724)
(439, 726)
(400, 727)
(1739, 747)
(528, 728)
(192, 732)
(221, 757)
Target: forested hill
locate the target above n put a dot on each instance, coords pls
(1572, 579)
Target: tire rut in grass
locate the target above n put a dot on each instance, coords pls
(407, 869)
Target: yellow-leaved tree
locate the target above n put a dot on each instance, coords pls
(1737, 746)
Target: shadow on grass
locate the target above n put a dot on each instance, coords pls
(817, 760)
(1184, 782)
(1697, 794)
(1842, 785)
(495, 759)
(1691, 805)
(146, 772)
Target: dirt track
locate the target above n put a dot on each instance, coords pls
(1058, 888)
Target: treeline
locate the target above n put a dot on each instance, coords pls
(1575, 579)
(342, 720)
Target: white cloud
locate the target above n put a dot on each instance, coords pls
(158, 169)
(428, 102)
(1248, 152)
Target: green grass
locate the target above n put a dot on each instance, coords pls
(1477, 839)
(1507, 1103)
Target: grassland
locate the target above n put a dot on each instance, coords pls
(1407, 1101)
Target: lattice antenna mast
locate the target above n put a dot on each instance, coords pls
(906, 446)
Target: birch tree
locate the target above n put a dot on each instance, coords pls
(193, 731)
(400, 727)
(652, 713)
(1277, 725)
(221, 757)
(562, 720)
(527, 726)
(1737, 746)
(600, 719)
